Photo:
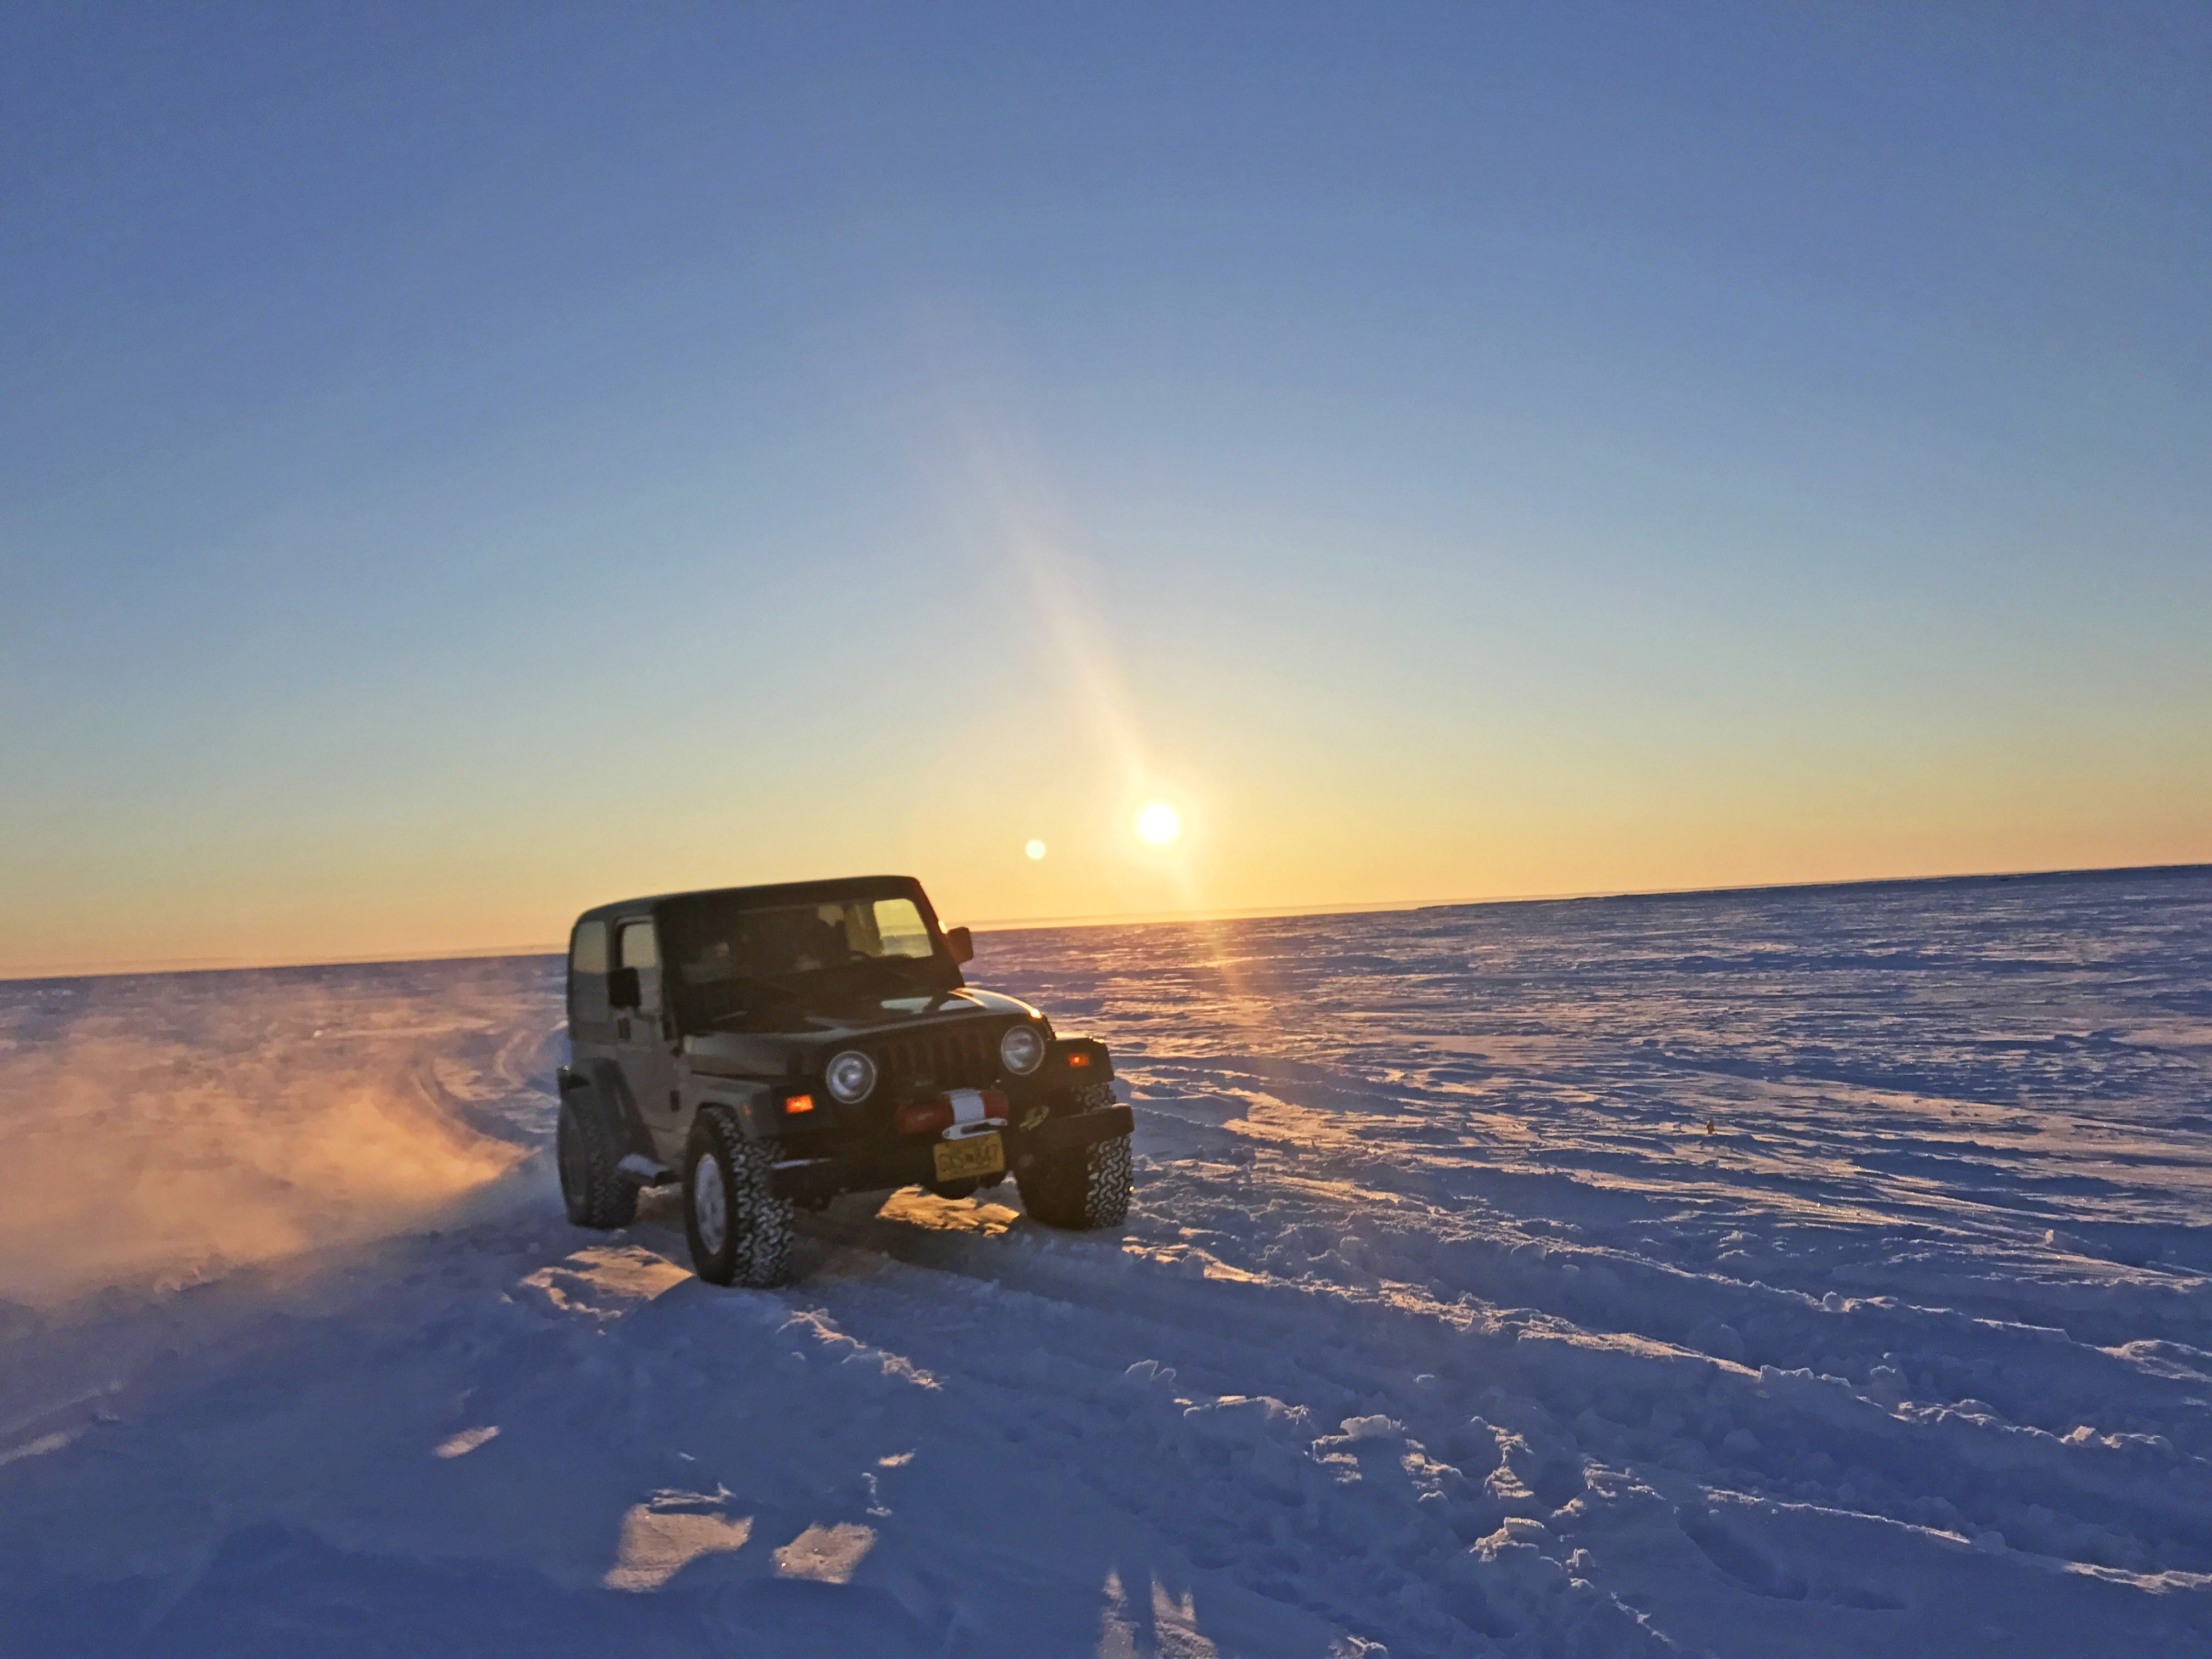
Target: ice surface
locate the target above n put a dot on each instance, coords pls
(1825, 1273)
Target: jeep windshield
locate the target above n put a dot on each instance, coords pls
(734, 963)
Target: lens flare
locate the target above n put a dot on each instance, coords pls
(1159, 823)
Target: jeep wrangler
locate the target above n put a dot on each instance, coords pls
(772, 1047)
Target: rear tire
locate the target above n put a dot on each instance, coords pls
(740, 1231)
(592, 1186)
(1084, 1189)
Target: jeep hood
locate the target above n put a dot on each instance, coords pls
(862, 1015)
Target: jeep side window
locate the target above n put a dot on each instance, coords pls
(633, 948)
(587, 972)
(899, 929)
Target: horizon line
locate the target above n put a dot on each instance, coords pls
(1119, 919)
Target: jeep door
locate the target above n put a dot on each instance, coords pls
(645, 1045)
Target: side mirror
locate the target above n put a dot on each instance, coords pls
(623, 990)
(961, 943)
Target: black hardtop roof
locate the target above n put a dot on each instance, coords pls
(786, 892)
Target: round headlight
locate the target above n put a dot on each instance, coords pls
(1022, 1048)
(850, 1076)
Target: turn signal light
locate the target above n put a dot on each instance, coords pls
(1079, 1061)
(795, 1104)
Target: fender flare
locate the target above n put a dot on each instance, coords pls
(597, 1086)
(753, 1105)
(1078, 1059)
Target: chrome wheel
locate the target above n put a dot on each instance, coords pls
(710, 1203)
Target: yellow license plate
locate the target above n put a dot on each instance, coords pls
(979, 1155)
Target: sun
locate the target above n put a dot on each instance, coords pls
(1159, 823)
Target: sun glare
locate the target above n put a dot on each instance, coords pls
(1035, 849)
(1159, 823)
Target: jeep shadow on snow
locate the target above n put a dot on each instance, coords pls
(771, 1047)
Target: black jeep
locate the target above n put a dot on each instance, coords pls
(772, 1047)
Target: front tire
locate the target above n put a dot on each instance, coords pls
(1084, 1189)
(740, 1231)
(593, 1188)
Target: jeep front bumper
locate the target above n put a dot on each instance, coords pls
(911, 1160)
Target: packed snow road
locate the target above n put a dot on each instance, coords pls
(1825, 1273)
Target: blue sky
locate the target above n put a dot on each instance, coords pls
(459, 464)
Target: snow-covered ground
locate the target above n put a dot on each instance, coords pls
(1818, 1272)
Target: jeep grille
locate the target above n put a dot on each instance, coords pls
(966, 1059)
